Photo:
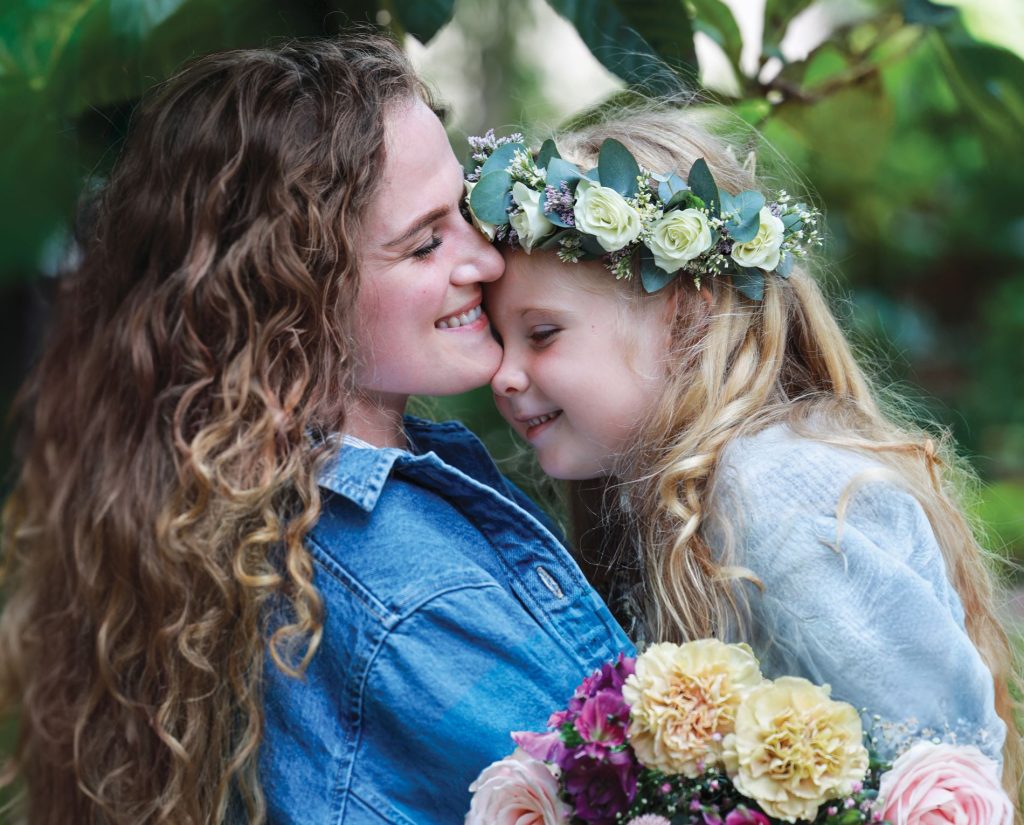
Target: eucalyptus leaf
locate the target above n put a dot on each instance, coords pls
(670, 186)
(617, 168)
(652, 276)
(492, 196)
(501, 157)
(593, 175)
(785, 267)
(561, 171)
(553, 241)
(703, 185)
(747, 220)
(548, 150)
(591, 246)
(792, 222)
(749, 282)
(684, 200)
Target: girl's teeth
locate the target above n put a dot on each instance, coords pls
(540, 419)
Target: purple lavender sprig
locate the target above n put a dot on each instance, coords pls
(560, 202)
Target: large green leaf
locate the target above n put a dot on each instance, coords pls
(714, 18)
(635, 40)
(423, 18)
(778, 14)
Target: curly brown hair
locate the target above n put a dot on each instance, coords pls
(168, 458)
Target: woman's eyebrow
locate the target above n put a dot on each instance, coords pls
(421, 223)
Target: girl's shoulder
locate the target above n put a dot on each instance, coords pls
(772, 482)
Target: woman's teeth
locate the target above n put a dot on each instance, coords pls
(540, 419)
(460, 320)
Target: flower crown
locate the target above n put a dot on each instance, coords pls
(619, 209)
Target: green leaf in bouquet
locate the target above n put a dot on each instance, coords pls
(501, 158)
(652, 276)
(747, 205)
(685, 200)
(492, 196)
(749, 282)
(617, 168)
(548, 150)
(553, 241)
(591, 246)
(703, 185)
(669, 186)
(785, 267)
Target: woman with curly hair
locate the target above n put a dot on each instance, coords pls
(240, 586)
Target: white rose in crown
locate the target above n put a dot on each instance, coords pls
(679, 237)
(605, 214)
(765, 249)
(530, 224)
(487, 228)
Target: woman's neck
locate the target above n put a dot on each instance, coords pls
(377, 420)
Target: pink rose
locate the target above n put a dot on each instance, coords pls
(518, 790)
(938, 784)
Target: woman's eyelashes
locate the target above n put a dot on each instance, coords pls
(427, 248)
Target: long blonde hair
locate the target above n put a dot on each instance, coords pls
(737, 366)
(168, 460)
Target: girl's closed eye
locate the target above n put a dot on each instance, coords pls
(427, 248)
(541, 336)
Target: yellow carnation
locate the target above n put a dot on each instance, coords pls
(683, 701)
(794, 747)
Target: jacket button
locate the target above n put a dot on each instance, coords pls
(550, 583)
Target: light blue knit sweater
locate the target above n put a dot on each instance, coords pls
(867, 608)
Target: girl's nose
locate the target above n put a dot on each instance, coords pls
(509, 379)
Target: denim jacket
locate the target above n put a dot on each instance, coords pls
(453, 617)
(859, 600)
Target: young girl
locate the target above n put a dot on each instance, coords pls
(733, 473)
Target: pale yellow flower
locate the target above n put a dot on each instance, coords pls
(683, 701)
(794, 748)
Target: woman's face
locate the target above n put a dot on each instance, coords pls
(582, 365)
(419, 324)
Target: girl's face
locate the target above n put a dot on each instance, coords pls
(419, 321)
(581, 365)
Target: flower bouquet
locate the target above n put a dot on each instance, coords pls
(693, 734)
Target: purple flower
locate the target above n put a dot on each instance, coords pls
(603, 718)
(601, 788)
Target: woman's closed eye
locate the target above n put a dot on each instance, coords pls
(427, 248)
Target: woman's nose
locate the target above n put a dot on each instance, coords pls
(481, 262)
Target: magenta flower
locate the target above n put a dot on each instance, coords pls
(603, 719)
(744, 816)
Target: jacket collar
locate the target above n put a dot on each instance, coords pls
(359, 471)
